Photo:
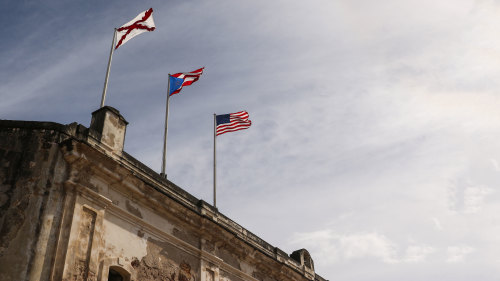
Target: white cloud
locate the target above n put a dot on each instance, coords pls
(474, 198)
(333, 247)
(494, 162)
(464, 197)
(437, 224)
(417, 253)
(458, 253)
(368, 245)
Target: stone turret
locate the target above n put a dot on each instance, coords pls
(108, 127)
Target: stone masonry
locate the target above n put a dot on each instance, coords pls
(74, 206)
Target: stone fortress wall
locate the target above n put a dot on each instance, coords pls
(75, 206)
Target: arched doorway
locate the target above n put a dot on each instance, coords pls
(117, 273)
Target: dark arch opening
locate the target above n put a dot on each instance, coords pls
(118, 274)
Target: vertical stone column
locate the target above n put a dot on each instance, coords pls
(85, 243)
(85, 239)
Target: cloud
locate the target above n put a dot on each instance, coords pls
(495, 165)
(468, 199)
(458, 253)
(329, 248)
(366, 245)
(474, 198)
(437, 224)
(335, 247)
(417, 253)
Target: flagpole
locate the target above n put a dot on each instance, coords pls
(163, 163)
(107, 71)
(215, 172)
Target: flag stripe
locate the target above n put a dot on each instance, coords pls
(221, 131)
(232, 129)
(233, 126)
(237, 121)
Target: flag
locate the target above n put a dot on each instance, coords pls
(179, 80)
(142, 23)
(232, 122)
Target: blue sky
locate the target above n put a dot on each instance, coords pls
(375, 124)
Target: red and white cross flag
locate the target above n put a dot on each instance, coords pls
(140, 24)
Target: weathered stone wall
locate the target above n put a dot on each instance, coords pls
(31, 175)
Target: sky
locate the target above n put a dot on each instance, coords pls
(375, 124)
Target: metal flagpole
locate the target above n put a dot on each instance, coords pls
(163, 163)
(215, 172)
(107, 71)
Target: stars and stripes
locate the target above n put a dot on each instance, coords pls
(179, 80)
(232, 122)
(140, 24)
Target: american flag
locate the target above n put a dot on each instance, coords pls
(140, 24)
(232, 122)
(179, 80)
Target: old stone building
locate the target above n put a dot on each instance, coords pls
(75, 206)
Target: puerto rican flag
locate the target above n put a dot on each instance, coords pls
(140, 24)
(179, 80)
